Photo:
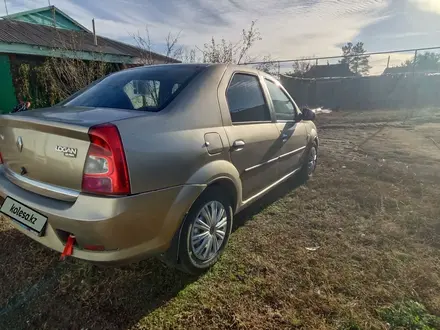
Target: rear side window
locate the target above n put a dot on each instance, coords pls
(147, 88)
(144, 93)
(245, 99)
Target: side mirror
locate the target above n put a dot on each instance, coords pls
(308, 114)
(22, 106)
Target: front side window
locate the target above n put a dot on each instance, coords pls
(145, 88)
(245, 99)
(283, 106)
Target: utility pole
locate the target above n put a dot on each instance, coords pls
(54, 18)
(6, 6)
(95, 38)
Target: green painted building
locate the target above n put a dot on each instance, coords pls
(48, 32)
(48, 16)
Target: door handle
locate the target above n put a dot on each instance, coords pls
(284, 137)
(238, 145)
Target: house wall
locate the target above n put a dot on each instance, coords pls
(7, 91)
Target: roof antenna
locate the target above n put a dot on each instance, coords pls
(49, 2)
(6, 6)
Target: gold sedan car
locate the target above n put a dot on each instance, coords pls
(152, 161)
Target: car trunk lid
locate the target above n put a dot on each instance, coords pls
(48, 147)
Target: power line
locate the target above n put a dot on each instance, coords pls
(333, 57)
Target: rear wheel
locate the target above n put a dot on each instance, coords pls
(205, 231)
(310, 163)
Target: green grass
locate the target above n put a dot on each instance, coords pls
(409, 315)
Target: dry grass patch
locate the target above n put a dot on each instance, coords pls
(345, 251)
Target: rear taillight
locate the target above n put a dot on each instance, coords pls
(1, 158)
(105, 169)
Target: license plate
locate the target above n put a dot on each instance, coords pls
(25, 216)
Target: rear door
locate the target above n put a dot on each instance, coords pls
(252, 133)
(292, 131)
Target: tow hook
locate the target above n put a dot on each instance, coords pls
(68, 248)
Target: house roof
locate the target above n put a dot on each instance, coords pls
(329, 70)
(17, 32)
(397, 70)
(44, 16)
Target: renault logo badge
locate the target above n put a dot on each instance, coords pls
(20, 144)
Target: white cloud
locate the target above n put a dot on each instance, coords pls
(428, 5)
(290, 29)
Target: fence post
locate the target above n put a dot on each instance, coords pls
(414, 87)
(415, 61)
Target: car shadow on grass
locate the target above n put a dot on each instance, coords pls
(22, 263)
(84, 296)
(259, 205)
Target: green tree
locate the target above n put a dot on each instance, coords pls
(427, 62)
(353, 55)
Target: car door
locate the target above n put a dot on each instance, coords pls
(252, 133)
(293, 132)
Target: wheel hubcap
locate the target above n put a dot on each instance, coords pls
(209, 230)
(312, 161)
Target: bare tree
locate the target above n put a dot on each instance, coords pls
(47, 82)
(269, 66)
(212, 52)
(173, 49)
(249, 38)
(229, 52)
(68, 75)
(189, 56)
(300, 67)
(146, 55)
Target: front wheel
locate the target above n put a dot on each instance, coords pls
(205, 231)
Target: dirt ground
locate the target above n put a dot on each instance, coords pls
(360, 237)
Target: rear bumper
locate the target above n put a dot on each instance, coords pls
(129, 228)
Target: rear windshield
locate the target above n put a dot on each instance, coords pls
(147, 88)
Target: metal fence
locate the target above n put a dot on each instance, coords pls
(381, 62)
(395, 79)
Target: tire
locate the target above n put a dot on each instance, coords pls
(308, 168)
(198, 233)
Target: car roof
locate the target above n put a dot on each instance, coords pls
(236, 67)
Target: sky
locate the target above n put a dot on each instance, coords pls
(289, 28)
